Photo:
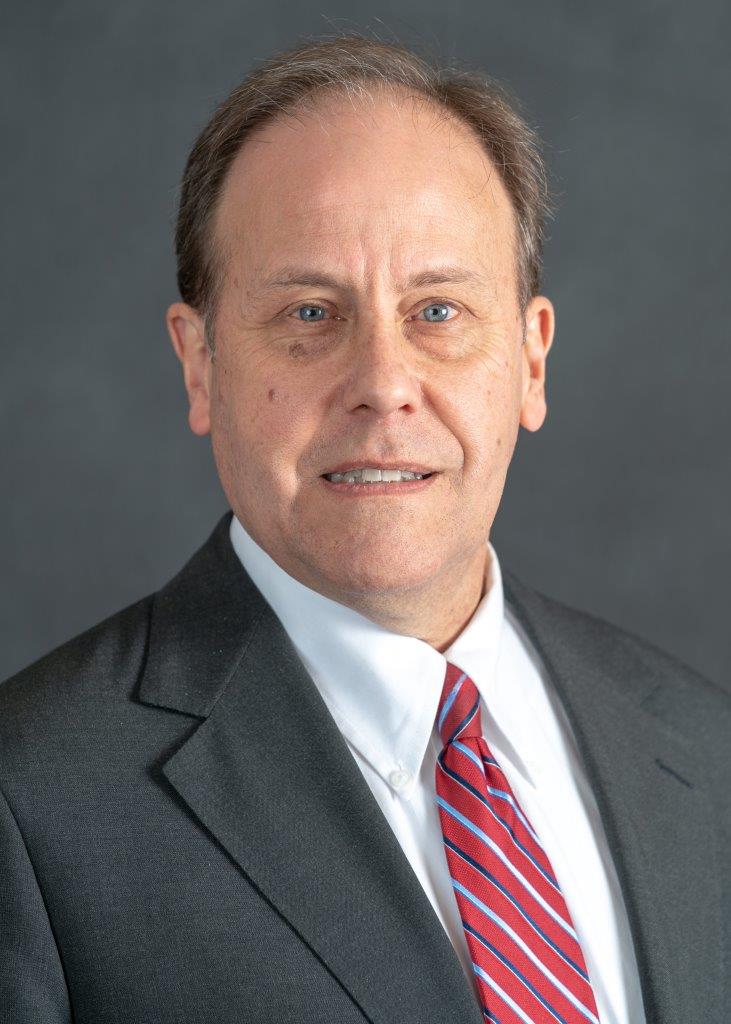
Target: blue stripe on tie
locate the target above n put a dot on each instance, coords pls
(514, 970)
(503, 995)
(528, 951)
(491, 789)
(469, 753)
(489, 1016)
(450, 700)
(498, 885)
(516, 810)
(463, 782)
(466, 720)
(508, 864)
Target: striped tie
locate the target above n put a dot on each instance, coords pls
(528, 964)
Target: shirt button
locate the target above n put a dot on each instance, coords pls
(399, 778)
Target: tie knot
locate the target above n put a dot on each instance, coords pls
(458, 716)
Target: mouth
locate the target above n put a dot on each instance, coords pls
(377, 474)
(378, 481)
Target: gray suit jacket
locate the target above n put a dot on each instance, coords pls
(185, 836)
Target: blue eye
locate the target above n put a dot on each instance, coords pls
(438, 306)
(308, 319)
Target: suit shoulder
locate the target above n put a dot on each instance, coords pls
(106, 656)
(683, 691)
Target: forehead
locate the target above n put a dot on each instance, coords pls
(366, 182)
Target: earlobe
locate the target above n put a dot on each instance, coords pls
(187, 334)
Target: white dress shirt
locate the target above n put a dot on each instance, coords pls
(383, 691)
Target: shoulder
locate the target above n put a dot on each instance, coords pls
(80, 676)
(577, 637)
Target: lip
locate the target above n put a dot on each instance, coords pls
(409, 467)
(374, 490)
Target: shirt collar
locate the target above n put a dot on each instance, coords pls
(382, 688)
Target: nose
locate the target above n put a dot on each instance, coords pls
(381, 374)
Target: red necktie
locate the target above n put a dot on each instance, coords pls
(526, 957)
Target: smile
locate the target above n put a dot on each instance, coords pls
(374, 476)
(360, 488)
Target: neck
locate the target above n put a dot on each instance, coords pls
(435, 613)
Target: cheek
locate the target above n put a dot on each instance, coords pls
(490, 422)
(264, 424)
(278, 402)
(276, 421)
(247, 408)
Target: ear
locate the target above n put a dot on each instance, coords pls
(187, 333)
(539, 326)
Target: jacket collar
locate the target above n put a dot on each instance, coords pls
(285, 797)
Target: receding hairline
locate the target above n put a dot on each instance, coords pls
(318, 103)
(354, 67)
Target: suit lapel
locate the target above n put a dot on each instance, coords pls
(650, 783)
(270, 776)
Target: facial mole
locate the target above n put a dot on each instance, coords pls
(272, 395)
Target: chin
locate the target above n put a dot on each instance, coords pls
(374, 574)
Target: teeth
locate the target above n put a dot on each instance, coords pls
(373, 476)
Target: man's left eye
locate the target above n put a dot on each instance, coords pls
(310, 306)
(438, 308)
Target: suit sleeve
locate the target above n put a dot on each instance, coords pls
(32, 984)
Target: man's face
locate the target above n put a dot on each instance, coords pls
(365, 365)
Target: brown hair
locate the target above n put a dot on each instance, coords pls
(348, 64)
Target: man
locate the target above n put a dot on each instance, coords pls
(345, 766)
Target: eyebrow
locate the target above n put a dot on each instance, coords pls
(443, 274)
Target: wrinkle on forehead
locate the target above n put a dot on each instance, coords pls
(369, 179)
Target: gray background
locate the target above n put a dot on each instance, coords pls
(617, 505)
